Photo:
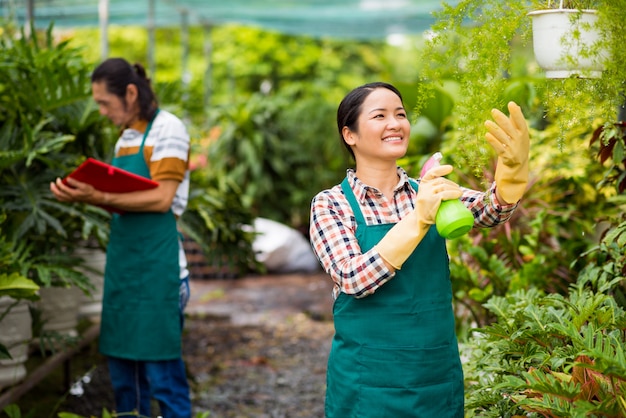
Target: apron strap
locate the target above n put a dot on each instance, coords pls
(356, 208)
(145, 134)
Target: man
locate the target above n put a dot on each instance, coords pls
(146, 278)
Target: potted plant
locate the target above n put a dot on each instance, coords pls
(15, 318)
(49, 124)
(483, 48)
(567, 40)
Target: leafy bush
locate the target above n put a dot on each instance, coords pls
(48, 125)
(550, 355)
(542, 349)
(12, 283)
(215, 219)
(281, 149)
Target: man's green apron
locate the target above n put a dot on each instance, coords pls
(140, 313)
(395, 352)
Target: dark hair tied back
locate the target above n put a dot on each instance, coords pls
(141, 71)
(117, 74)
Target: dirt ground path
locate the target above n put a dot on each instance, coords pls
(254, 347)
(257, 347)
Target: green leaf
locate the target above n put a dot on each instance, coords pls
(13, 411)
(17, 286)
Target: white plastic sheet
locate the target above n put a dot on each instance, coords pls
(282, 249)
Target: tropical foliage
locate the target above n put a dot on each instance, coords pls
(550, 355)
(48, 125)
(272, 145)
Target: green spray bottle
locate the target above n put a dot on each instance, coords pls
(453, 218)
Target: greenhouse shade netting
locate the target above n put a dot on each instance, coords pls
(355, 19)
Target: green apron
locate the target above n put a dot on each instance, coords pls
(395, 352)
(140, 312)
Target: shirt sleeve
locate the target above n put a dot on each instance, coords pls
(487, 211)
(170, 155)
(333, 239)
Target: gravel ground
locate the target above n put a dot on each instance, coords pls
(267, 371)
(254, 348)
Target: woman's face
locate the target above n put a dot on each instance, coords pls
(383, 128)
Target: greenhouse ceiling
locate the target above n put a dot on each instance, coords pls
(356, 19)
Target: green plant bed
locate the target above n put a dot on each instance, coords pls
(549, 355)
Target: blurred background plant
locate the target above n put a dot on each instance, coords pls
(13, 284)
(48, 125)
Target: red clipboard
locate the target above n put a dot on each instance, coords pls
(110, 179)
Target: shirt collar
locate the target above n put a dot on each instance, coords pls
(139, 125)
(134, 130)
(361, 189)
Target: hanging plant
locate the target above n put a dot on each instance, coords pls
(484, 46)
(567, 41)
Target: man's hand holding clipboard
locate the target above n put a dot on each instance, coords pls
(93, 180)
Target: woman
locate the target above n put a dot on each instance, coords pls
(395, 353)
(146, 278)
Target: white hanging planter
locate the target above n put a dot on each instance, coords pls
(558, 48)
(15, 334)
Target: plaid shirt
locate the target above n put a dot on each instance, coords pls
(333, 226)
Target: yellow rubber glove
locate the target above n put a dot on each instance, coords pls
(401, 240)
(509, 137)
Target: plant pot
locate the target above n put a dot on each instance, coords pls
(59, 310)
(94, 261)
(558, 48)
(15, 335)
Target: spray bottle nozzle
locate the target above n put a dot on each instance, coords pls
(453, 217)
(433, 161)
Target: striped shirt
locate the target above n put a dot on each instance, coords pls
(166, 152)
(333, 227)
